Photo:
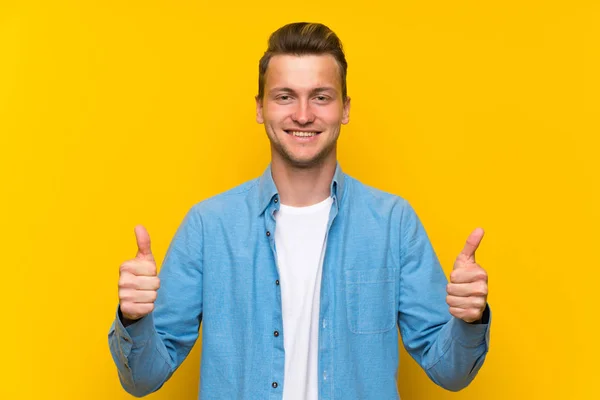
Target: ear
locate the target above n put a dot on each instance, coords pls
(346, 111)
(259, 110)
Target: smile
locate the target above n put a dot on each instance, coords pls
(302, 134)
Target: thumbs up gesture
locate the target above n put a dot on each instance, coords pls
(138, 280)
(468, 289)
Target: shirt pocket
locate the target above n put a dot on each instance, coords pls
(371, 300)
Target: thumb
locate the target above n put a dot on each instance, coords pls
(143, 243)
(473, 241)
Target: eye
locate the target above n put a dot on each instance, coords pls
(283, 98)
(322, 98)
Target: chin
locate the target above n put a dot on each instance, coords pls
(303, 163)
(306, 161)
(302, 159)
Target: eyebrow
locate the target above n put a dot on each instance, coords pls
(313, 91)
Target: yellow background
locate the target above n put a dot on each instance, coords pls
(114, 113)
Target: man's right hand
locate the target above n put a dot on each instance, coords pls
(138, 280)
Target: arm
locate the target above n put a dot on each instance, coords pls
(149, 350)
(450, 350)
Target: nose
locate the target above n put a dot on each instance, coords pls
(303, 114)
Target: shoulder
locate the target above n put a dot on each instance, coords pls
(243, 197)
(359, 192)
(371, 202)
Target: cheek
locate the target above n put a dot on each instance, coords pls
(330, 115)
(274, 115)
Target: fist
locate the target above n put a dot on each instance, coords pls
(468, 288)
(138, 280)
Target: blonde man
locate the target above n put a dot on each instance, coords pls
(304, 277)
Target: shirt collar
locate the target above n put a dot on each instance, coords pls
(267, 189)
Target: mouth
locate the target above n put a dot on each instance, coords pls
(302, 134)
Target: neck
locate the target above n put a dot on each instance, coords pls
(301, 187)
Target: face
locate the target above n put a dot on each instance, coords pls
(302, 109)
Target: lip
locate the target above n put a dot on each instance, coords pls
(301, 130)
(302, 139)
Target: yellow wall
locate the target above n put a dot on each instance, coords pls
(114, 113)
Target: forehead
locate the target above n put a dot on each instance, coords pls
(302, 72)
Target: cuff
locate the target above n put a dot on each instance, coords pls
(473, 335)
(137, 334)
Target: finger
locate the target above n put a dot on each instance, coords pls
(139, 267)
(468, 274)
(136, 296)
(143, 243)
(476, 302)
(478, 288)
(148, 283)
(469, 315)
(135, 311)
(130, 281)
(472, 244)
(145, 296)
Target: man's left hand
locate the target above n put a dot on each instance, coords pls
(468, 288)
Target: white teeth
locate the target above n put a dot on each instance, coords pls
(303, 134)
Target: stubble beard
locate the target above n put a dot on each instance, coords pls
(295, 162)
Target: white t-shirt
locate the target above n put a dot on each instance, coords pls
(300, 242)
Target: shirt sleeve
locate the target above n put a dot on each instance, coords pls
(148, 351)
(450, 350)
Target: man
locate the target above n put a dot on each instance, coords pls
(300, 276)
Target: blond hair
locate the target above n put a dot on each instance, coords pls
(303, 38)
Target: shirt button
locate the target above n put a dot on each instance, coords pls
(324, 375)
(277, 282)
(268, 233)
(324, 323)
(276, 200)
(276, 333)
(274, 384)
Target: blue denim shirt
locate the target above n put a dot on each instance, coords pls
(380, 272)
